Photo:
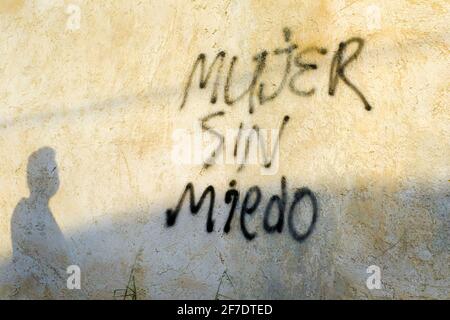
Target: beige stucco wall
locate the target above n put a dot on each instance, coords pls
(101, 83)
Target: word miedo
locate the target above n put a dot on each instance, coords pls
(277, 205)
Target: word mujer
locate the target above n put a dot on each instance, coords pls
(294, 60)
(252, 200)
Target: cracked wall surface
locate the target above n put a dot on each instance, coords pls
(92, 98)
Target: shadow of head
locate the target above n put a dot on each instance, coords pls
(42, 173)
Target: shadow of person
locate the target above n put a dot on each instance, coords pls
(40, 254)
